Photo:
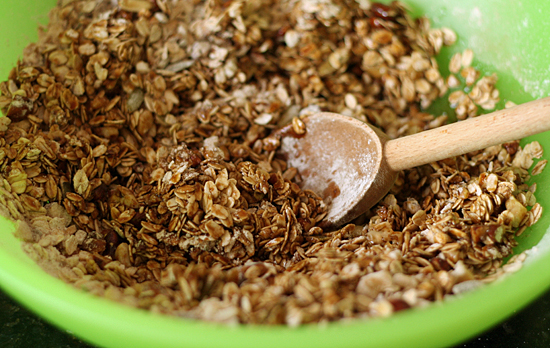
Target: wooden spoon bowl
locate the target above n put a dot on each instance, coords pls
(340, 158)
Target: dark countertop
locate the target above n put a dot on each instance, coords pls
(529, 327)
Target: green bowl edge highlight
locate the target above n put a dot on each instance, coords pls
(110, 324)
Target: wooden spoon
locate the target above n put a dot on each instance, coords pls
(352, 165)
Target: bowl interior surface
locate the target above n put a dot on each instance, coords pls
(507, 37)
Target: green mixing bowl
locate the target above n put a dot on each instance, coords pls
(507, 37)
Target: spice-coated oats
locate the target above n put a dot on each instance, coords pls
(139, 160)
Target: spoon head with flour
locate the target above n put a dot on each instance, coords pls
(341, 159)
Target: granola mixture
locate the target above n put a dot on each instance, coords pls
(139, 162)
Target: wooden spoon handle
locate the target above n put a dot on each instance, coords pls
(469, 135)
